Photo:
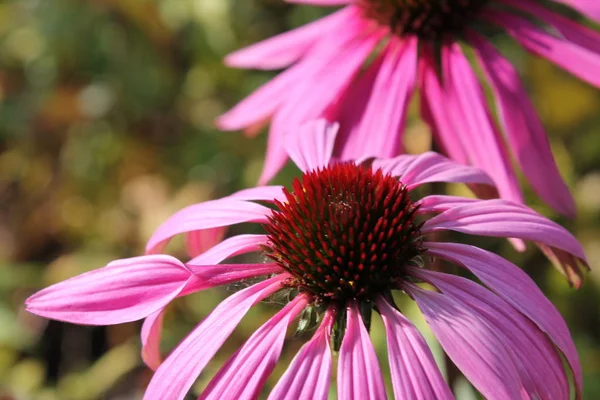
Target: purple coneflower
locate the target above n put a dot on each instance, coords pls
(360, 65)
(339, 244)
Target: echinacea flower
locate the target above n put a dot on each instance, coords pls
(340, 243)
(360, 65)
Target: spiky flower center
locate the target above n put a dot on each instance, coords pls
(428, 19)
(345, 232)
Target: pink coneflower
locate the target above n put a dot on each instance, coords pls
(359, 66)
(340, 243)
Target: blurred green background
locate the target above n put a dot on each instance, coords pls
(107, 110)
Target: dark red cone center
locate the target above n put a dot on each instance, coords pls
(345, 232)
(428, 19)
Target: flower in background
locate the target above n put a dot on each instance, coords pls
(359, 66)
(339, 244)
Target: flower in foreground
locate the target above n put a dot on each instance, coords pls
(359, 66)
(340, 243)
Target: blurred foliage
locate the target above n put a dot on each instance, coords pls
(107, 110)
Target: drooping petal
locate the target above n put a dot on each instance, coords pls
(516, 288)
(591, 9)
(470, 114)
(359, 376)
(569, 29)
(320, 89)
(414, 171)
(435, 112)
(525, 132)
(197, 242)
(246, 371)
(534, 355)
(577, 60)
(505, 219)
(260, 193)
(415, 374)
(309, 374)
(125, 290)
(207, 215)
(230, 247)
(310, 146)
(471, 343)
(177, 373)
(441, 203)
(379, 129)
(150, 337)
(282, 50)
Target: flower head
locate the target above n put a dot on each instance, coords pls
(360, 65)
(341, 241)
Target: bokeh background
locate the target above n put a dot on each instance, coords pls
(106, 128)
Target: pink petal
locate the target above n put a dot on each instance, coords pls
(539, 365)
(282, 50)
(577, 60)
(359, 376)
(435, 110)
(415, 374)
(571, 30)
(379, 130)
(207, 215)
(310, 146)
(468, 108)
(125, 290)
(414, 171)
(471, 343)
(568, 265)
(150, 337)
(197, 242)
(589, 8)
(179, 371)
(245, 373)
(505, 219)
(260, 193)
(338, 59)
(309, 374)
(230, 247)
(514, 286)
(440, 203)
(523, 127)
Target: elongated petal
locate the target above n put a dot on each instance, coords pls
(197, 242)
(415, 374)
(440, 203)
(471, 343)
(260, 193)
(516, 288)
(435, 110)
(524, 130)
(379, 129)
(414, 171)
(579, 61)
(177, 373)
(244, 374)
(469, 111)
(591, 9)
(211, 214)
(534, 355)
(230, 247)
(505, 219)
(309, 374)
(282, 50)
(319, 90)
(311, 145)
(125, 290)
(359, 376)
(150, 336)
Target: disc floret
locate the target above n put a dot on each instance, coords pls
(344, 232)
(428, 19)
